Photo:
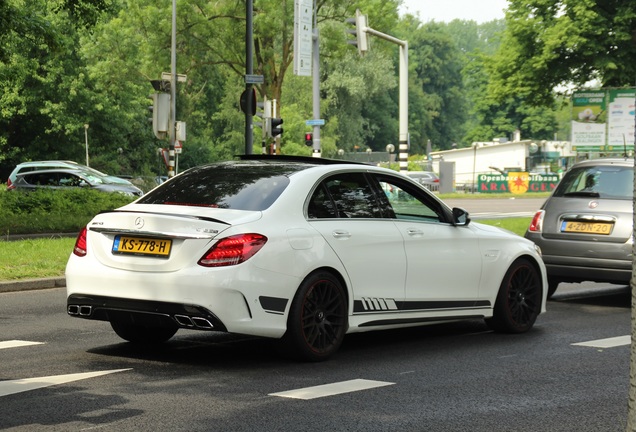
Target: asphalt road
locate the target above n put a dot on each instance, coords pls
(59, 373)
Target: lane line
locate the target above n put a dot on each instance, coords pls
(332, 389)
(607, 343)
(17, 343)
(27, 384)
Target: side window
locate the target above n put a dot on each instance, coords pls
(346, 195)
(408, 202)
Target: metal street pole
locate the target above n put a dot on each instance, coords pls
(86, 140)
(317, 151)
(249, 70)
(403, 145)
(173, 90)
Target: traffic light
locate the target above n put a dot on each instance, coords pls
(275, 128)
(160, 114)
(360, 31)
(309, 139)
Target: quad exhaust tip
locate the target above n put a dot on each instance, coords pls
(80, 310)
(193, 322)
(186, 321)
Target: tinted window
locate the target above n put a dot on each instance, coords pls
(408, 202)
(245, 186)
(346, 195)
(602, 181)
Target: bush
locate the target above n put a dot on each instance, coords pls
(53, 211)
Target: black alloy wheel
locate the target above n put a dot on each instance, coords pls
(317, 320)
(519, 299)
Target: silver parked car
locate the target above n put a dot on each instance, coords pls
(428, 179)
(54, 164)
(584, 229)
(71, 178)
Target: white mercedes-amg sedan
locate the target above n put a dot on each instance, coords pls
(304, 250)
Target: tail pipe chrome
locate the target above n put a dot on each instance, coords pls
(80, 310)
(193, 322)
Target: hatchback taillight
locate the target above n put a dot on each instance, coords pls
(536, 225)
(233, 250)
(80, 244)
(10, 184)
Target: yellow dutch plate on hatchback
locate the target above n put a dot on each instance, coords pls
(142, 246)
(601, 228)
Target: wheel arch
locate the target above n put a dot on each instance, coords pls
(337, 274)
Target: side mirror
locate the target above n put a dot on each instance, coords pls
(460, 217)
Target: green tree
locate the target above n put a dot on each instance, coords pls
(550, 43)
(437, 110)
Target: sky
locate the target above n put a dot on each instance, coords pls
(447, 10)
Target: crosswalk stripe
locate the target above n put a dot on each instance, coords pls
(27, 384)
(332, 389)
(607, 343)
(17, 344)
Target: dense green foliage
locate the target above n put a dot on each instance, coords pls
(550, 43)
(46, 211)
(66, 64)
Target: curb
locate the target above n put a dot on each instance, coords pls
(32, 284)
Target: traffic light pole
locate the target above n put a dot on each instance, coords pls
(317, 152)
(173, 91)
(403, 147)
(249, 70)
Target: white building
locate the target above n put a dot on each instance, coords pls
(494, 157)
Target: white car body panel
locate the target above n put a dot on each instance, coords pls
(383, 263)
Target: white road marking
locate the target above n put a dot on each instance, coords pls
(607, 343)
(17, 343)
(27, 384)
(331, 389)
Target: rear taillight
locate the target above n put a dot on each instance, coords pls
(233, 250)
(80, 244)
(536, 225)
(10, 184)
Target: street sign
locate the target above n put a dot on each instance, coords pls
(303, 36)
(315, 122)
(254, 79)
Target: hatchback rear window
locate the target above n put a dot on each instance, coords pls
(245, 186)
(601, 181)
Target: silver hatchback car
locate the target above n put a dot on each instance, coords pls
(584, 229)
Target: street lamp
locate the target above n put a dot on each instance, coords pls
(86, 140)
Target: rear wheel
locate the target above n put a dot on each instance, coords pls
(317, 320)
(142, 334)
(519, 299)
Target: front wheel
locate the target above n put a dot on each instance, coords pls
(142, 334)
(519, 299)
(317, 320)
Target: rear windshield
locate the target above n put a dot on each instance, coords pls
(602, 181)
(252, 186)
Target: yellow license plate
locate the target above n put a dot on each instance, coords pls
(142, 246)
(601, 228)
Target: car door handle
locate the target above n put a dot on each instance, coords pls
(340, 234)
(414, 232)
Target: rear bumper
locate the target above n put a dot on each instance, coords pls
(145, 312)
(619, 272)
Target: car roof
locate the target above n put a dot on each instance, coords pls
(299, 159)
(54, 170)
(605, 161)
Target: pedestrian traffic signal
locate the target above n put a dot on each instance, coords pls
(309, 139)
(275, 128)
